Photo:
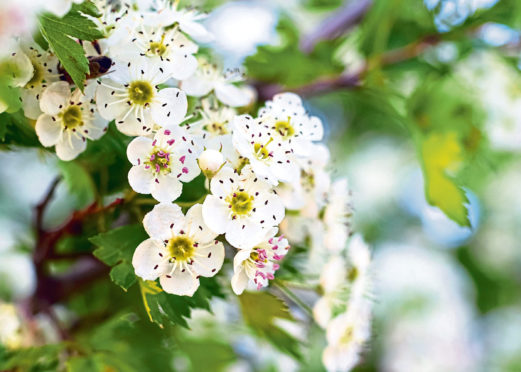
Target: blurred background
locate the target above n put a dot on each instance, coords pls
(433, 102)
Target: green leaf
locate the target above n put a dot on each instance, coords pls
(42, 358)
(79, 181)
(116, 248)
(442, 154)
(260, 310)
(163, 308)
(60, 34)
(16, 130)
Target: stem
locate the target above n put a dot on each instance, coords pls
(293, 297)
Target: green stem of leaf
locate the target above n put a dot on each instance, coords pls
(293, 297)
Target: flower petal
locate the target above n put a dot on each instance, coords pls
(197, 227)
(147, 261)
(241, 232)
(70, 146)
(55, 97)
(47, 130)
(222, 183)
(239, 281)
(196, 30)
(215, 214)
(181, 282)
(167, 189)
(139, 149)
(140, 179)
(157, 222)
(209, 260)
(183, 65)
(170, 107)
(197, 85)
(231, 95)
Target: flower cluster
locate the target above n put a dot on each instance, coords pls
(267, 177)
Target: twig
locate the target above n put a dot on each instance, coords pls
(338, 23)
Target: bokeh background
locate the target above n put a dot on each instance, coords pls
(447, 297)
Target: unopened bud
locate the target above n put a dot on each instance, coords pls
(210, 162)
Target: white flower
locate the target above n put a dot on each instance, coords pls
(179, 251)
(240, 206)
(19, 68)
(310, 190)
(59, 7)
(208, 78)
(336, 216)
(45, 72)
(287, 117)
(172, 50)
(68, 120)
(210, 161)
(360, 259)
(161, 164)
(10, 326)
(131, 97)
(167, 13)
(259, 261)
(269, 155)
(346, 336)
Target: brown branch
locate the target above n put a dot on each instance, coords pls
(337, 24)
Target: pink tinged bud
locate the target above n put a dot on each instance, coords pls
(185, 170)
(270, 276)
(182, 159)
(170, 142)
(167, 132)
(276, 266)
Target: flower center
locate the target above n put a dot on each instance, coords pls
(241, 203)
(260, 151)
(347, 337)
(308, 180)
(38, 75)
(159, 161)
(157, 47)
(180, 248)
(71, 117)
(140, 92)
(217, 128)
(285, 129)
(353, 274)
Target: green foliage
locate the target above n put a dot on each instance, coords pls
(32, 359)
(163, 308)
(217, 354)
(78, 180)
(61, 32)
(260, 310)
(15, 130)
(116, 248)
(286, 64)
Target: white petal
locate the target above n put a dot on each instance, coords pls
(210, 261)
(215, 214)
(231, 95)
(322, 312)
(197, 86)
(147, 261)
(170, 107)
(157, 222)
(182, 282)
(20, 69)
(30, 104)
(270, 209)
(139, 148)
(70, 146)
(196, 225)
(241, 256)
(107, 100)
(239, 282)
(183, 65)
(47, 130)
(196, 30)
(55, 97)
(168, 189)
(241, 232)
(140, 179)
(222, 184)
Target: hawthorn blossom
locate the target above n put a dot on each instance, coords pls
(132, 97)
(162, 164)
(259, 262)
(45, 72)
(18, 68)
(241, 206)
(180, 249)
(167, 14)
(310, 190)
(336, 216)
(208, 78)
(210, 161)
(68, 120)
(346, 336)
(268, 155)
(170, 48)
(288, 119)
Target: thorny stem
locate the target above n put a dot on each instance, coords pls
(293, 297)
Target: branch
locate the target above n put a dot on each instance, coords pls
(335, 25)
